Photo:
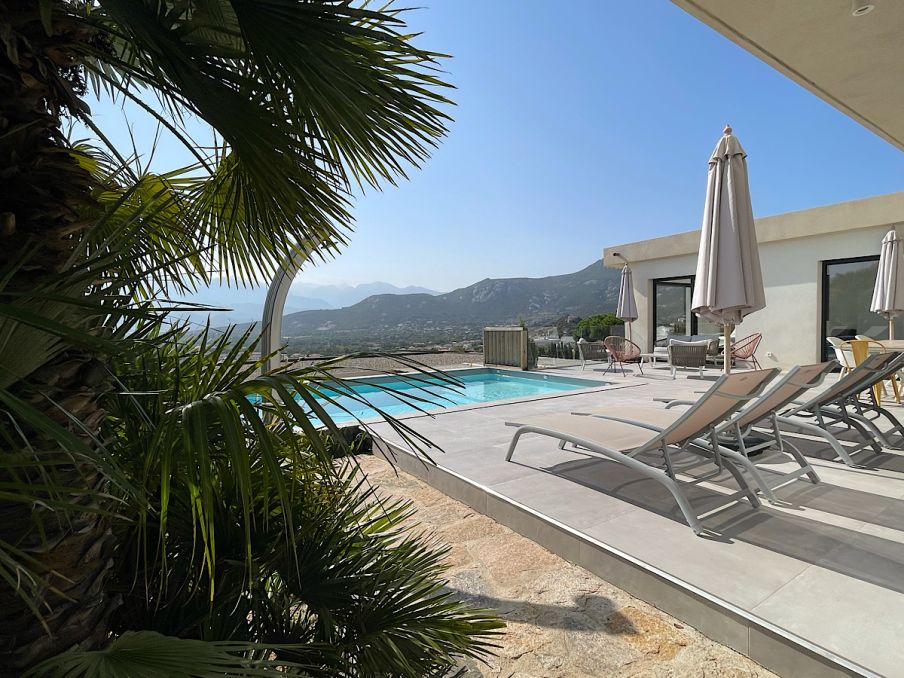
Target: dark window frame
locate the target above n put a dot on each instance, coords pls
(824, 301)
(678, 281)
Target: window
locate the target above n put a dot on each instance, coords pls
(672, 311)
(847, 291)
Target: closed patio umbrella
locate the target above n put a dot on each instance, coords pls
(729, 282)
(888, 294)
(627, 309)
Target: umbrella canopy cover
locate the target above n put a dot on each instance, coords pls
(888, 295)
(729, 282)
(627, 309)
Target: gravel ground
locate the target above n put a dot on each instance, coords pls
(359, 367)
(562, 620)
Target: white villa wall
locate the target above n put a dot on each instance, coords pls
(792, 273)
(792, 248)
(791, 323)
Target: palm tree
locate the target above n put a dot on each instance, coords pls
(150, 511)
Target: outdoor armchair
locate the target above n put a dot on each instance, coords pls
(591, 350)
(843, 354)
(687, 354)
(745, 349)
(618, 436)
(622, 351)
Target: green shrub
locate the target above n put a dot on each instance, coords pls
(533, 352)
(596, 327)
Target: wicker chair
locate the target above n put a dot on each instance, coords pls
(687, 354)
(622, 351)
(591, 350)
(744, 349)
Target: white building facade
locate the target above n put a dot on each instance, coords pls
(818, 267)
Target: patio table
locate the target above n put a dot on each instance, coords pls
(890, 344)
(651, 358)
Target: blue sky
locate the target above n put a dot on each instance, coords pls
(581, 125)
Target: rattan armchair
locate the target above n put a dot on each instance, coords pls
(622, 351)
(745, 349)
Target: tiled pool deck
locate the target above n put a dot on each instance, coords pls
(811, 586)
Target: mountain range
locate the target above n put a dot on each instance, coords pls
(340, 296)
(244, 305)
(402, 319)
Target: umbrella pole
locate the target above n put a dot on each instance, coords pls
(891, 329)
(726, 350)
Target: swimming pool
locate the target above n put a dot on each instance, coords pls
(482, 385)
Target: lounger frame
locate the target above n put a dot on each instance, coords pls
(761, 418)
(664, 439)
(841, 404)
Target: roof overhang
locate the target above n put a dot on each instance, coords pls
(855, 63)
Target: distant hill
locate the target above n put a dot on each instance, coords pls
(244, 305)
(465, 311)
(340, 296)
(248, 311)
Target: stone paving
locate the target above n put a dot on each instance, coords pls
(811, 584)
(562, 620)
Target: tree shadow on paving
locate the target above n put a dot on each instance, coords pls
(588, 613)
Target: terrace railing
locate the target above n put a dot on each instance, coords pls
(505, 346)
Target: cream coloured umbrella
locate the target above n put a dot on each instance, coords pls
(729, 282)
(626, 309)
(888, 294)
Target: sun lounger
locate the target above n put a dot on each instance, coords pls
(623, 440)
(841, 404)
(756, 428)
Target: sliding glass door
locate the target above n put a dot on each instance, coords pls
(847, 290)
(672, 311)
(671, 308)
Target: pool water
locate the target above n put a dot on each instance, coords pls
(477, 386)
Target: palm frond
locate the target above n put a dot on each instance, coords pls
(55, 469)
(247, 511)
(340, 91)
(240, 543)
(409, 625)
(147, 654)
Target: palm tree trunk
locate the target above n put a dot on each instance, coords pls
(45, 197)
